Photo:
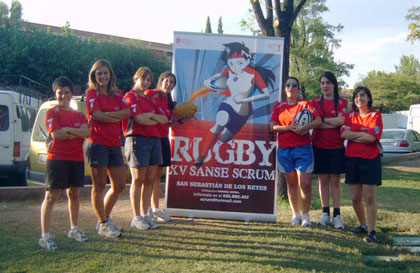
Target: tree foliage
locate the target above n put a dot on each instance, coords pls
(413, 17)
(4, 10)
(43, 56)
(396, 90)
(220, 26)
(208, 25)
(16, 10)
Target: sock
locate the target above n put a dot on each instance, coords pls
(73, 227)
(372, 233)
(155, 209)
(297, 214)
(326, 210)
(45, 235)
(208, 142)
(336, 212)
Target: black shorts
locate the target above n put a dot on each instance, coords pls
(63, 174)
(329, 160)
(166, 152)
(142, 151)
(364, 171)
(103, 156)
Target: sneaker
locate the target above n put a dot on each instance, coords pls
(306, 222)
(199, 161)
(296, 220)
(107, 229)
(161, 216)
(119, 228)
(139, 222)
(325, 220)
(360, 229)
(337, 222)
(47, 243)
(151, 222)
(77, 234)
(371, 238)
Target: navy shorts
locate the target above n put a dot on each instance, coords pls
(329, 160)
(299, 158)
(103, 156)
(63, 174)
(166, 152)
(143, 151)
(364, 171)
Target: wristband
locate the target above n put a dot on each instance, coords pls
(322, 118)
(180, 121)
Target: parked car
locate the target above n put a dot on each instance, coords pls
(38, 150)
(400, 141)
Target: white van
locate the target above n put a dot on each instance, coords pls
(414, 117)
(17, 117)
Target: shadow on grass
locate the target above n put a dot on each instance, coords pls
(393, 174)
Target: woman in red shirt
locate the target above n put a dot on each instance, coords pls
(106, 108)
(328, 147)
(294, 153)
(363, 130)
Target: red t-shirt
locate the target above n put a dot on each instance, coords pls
(329, 138)
(371, 124)
(103, 133)
(138, 105)
(284, 114)
(72, 149)
(257, 80)
(162, 108)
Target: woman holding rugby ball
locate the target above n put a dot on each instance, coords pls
(328, 147)
(294, 153)
(363, 130)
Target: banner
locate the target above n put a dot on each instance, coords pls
(223, 160)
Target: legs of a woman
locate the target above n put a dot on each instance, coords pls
(147, 186)
(293, 190)
(74, 205)
(369, 196)
(46, 208)
(98, 175)
(324, 189)
(138, 177)
(357, 201)
(117, 177)
(305, 184)
(156, 188)
(335, 189)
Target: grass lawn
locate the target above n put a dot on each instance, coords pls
(205, 245)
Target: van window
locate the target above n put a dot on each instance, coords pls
(24, 118)
(4, 118)
(40, 130)
(32, 117)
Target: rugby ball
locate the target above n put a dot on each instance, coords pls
(304, 117)
(216, 84)
(184, 110)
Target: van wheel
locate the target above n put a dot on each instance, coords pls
(19, 179)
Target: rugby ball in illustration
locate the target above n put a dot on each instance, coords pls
(184, 110)
(304, 117)
(216, 84)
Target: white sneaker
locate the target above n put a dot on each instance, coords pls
(296, 219)
(325, 220)
(306, 222)
(47, 243)
(337, 222)
(107, 229)
(77, 234)
(139, 222)
(119, 228)
(161, 216)
(150, 220)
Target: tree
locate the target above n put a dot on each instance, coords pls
(413, 16)
(208, 25)
(16, 10)
(220, 26)
(4, 10)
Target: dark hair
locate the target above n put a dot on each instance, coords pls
(164, 75)
(141, 73)
(239, 49)
(93, 83)
(356, 91)
(62, 82)
(291, 78)
(331, 77)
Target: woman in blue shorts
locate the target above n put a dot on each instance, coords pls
(294, 153)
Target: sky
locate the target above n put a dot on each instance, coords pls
(373, 38)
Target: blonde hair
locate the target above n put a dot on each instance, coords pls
(93, 83)
(142, 72)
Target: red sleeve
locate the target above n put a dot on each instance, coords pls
(83, 119)
(51, 120)
(275, 114)
(342, 108)
(258, 81)
(376, 126)
(133, 104)
(225, 72)
(92, 102)
(122, 102)
(346, 122)
(313, 110)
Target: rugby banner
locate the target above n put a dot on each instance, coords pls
(223, 160)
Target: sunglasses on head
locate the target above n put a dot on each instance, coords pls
(291, 85)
